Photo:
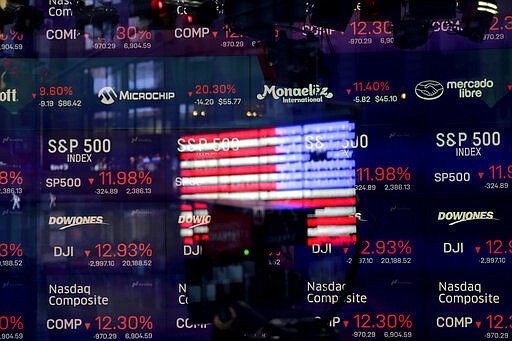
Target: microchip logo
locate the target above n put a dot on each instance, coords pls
(429, 90)
(107, 95)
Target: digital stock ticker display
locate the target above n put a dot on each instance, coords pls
(239, 170)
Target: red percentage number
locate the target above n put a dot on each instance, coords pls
(405, 247)
(390, 247)
(56, 91)
(123, 178)
(16, 250)
(15, 35)
(15, 177)
(11, 322)
(124, 250)
(132, 33)
(145, 250)
(11, 177)
(385, 86)
(145, 178)
(405, 321)
(13, 250)
(146, 322)
(124, 322)
(143, 34)
(12, 35)
(390, 173)
(222, 89)
(371, 86)
(403, 173)
(383, 321)
(231, 88)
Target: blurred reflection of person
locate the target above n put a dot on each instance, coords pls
(101, 164)
(53, 199)
(2, 82)
(16, 202)
(133, 163)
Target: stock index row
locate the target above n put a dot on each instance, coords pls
(178, 28)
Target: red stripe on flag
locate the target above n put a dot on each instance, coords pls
(249, 134)
(250, 187)
(229, 170)
(193, 139)
(322, 221)
(242, 134)
(337, 241)
(244, 152)
(313, 203)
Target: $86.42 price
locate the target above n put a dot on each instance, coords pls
(62, 103)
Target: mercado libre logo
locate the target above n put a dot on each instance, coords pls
(108, 95)
(429, 90)
(313, 93)
(64, 222)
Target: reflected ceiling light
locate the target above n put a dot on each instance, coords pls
(485, 6)
(477, 18)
